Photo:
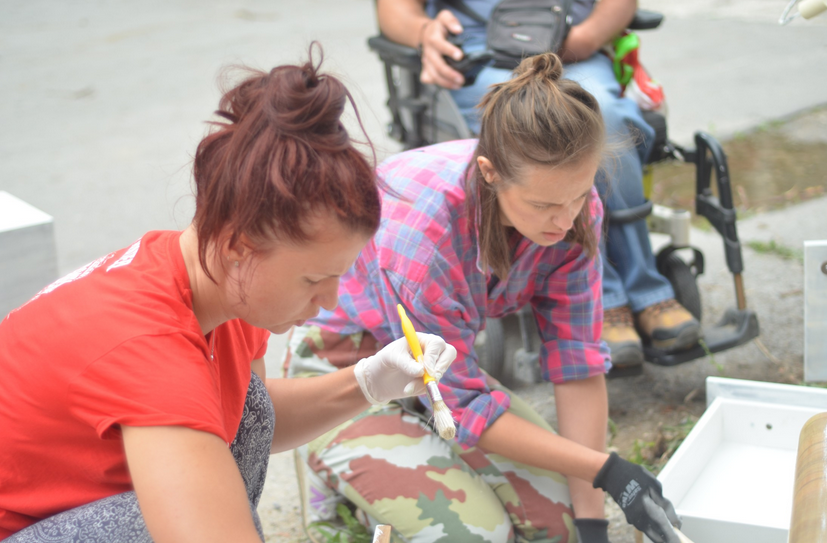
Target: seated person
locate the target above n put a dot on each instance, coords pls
(475, 229)
(637, 299)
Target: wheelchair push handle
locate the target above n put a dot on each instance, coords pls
(645, 20)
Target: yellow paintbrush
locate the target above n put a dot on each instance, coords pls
(442, 415)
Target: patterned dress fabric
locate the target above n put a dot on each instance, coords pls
(118, 518)
(391, 464)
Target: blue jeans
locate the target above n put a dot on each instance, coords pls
(630, 275)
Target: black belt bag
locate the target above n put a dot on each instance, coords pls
(522, 28)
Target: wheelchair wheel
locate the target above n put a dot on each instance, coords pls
(490, 346)
(683, 282)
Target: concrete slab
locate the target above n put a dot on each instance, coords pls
(103, 103)
(727, 66)
(106, 101)
(790, 227)
(808, 129)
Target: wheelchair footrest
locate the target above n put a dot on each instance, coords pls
(737, 327)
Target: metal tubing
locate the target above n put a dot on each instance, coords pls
(710, 157)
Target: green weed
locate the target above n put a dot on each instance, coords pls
(612, 431)
(653, 455)
(777, 249)
(352, 532)
(642, 454)
(711, 355)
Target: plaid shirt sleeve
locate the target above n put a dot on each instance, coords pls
(568, 308)
(435, 307)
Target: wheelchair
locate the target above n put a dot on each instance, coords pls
(423, 115)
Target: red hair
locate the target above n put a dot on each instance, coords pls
(283, 156)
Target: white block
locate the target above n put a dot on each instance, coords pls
(815, 311)
(732, 478)
(28, 257)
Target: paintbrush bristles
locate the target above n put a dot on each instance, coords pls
(443, 420)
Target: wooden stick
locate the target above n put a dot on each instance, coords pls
(382, 533)
(681, 536)
(809, 515)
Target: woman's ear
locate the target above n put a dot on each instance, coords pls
(236, 253)
(487, 170)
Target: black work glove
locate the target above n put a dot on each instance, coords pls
(639, 494)
(592, 530)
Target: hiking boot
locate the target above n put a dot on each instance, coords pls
(623, 341)
(668, 326)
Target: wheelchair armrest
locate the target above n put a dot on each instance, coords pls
(646, 20)
(395, 54)
(632, 214)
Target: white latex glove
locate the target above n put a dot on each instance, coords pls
(393, 373)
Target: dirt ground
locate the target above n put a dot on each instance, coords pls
(775, 166)
(652, 412)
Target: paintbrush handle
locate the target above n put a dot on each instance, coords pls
(413, 341)
(680, 534)
(682, 537)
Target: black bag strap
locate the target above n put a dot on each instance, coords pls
(463, 8)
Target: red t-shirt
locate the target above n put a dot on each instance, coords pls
(113, 343)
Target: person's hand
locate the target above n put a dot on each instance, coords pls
(579, 45)
(592, 530)
(435, 71)
(393, 373)
(639, 495)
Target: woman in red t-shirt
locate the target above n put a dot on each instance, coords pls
(139, 379)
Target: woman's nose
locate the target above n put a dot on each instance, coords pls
(328, 296)
(564, 220)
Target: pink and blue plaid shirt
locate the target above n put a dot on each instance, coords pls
(425, 256)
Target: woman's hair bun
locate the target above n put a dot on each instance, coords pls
(284, 155)
(295, 101)
(545, 66)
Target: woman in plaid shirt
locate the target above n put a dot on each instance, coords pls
(472, 230)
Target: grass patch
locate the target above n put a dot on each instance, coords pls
(711, 356)
(777, 249)
(653, 455)
(767, 170)
(350, 531)
(612, 431)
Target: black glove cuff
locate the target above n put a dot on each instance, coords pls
(600, 480)
(592, 530)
